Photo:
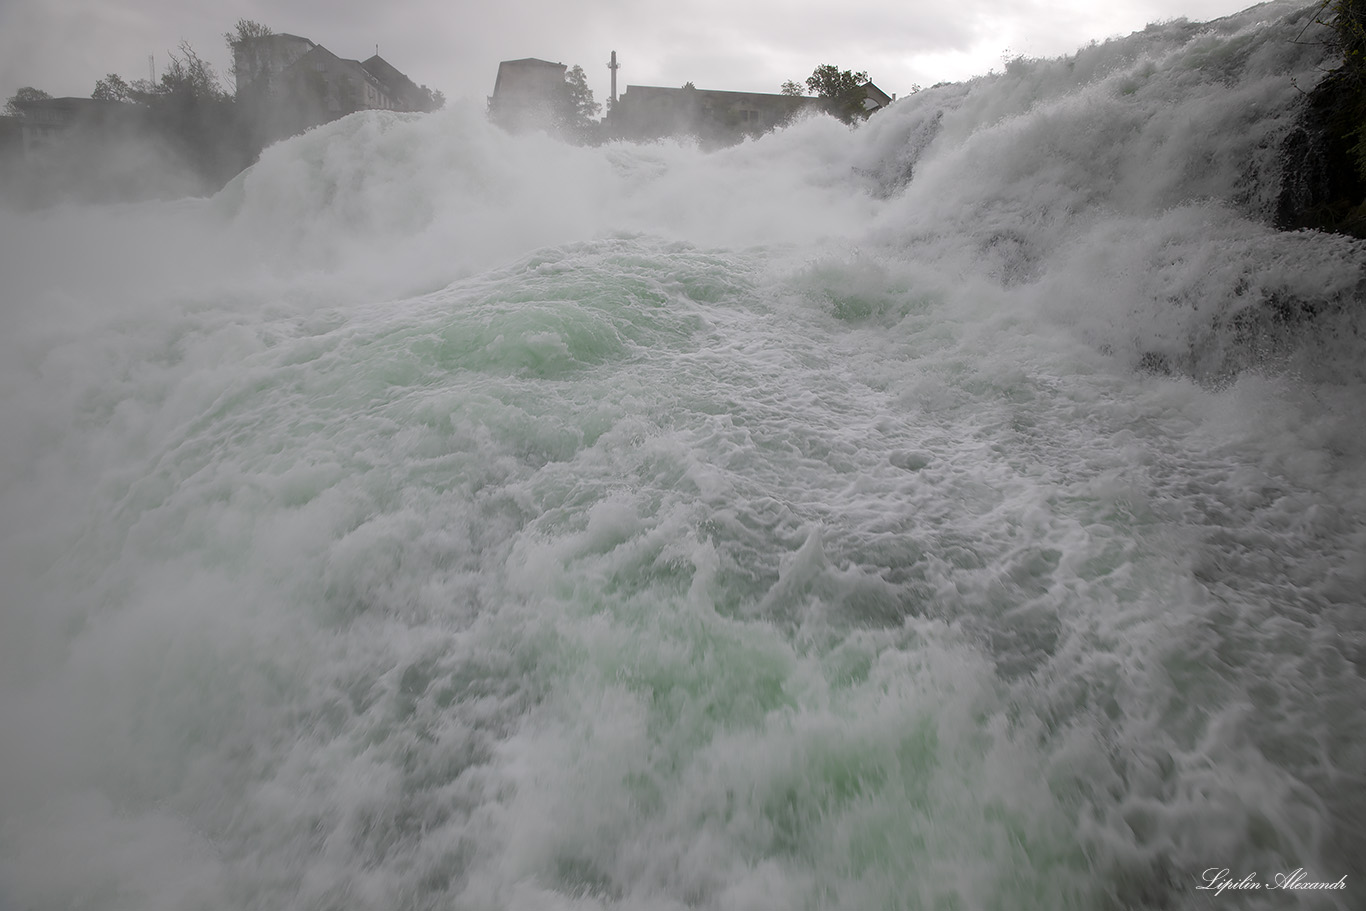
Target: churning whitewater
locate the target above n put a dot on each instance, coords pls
(964, 511)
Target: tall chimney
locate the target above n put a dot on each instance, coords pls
(614, 66)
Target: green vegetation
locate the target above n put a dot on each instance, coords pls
(581, 101)
(1324, 156)
(575, 119)
(185, 126)
(842, 90)
(112, 88)
(1348, 20)
(197, 115)
(829, 81)
(244, 31)
(27, 93)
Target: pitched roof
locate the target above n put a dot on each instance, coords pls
(388, 74)
(875, 93)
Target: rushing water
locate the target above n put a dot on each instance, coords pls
(960, 512)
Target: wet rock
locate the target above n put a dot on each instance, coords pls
(1321, 184)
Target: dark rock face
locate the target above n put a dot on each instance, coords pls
(1321, 186)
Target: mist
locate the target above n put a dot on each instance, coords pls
(959, 509)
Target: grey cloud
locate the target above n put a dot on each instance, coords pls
(63, 46)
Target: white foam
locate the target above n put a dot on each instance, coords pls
(962, 508)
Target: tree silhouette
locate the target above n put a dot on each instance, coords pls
(842, 90)
(111, 88)
(27, 93)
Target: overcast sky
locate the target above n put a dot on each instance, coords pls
(63, 46)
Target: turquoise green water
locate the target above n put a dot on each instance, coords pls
(632, 557)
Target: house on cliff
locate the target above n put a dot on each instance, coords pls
(532, 94)
(403, 93)
(646, 112)
(874, 98)
(45, 124)
(291, 84)
(11, 138)
(91, 150)
(258, 62)
(715, 117)
(529, 94)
